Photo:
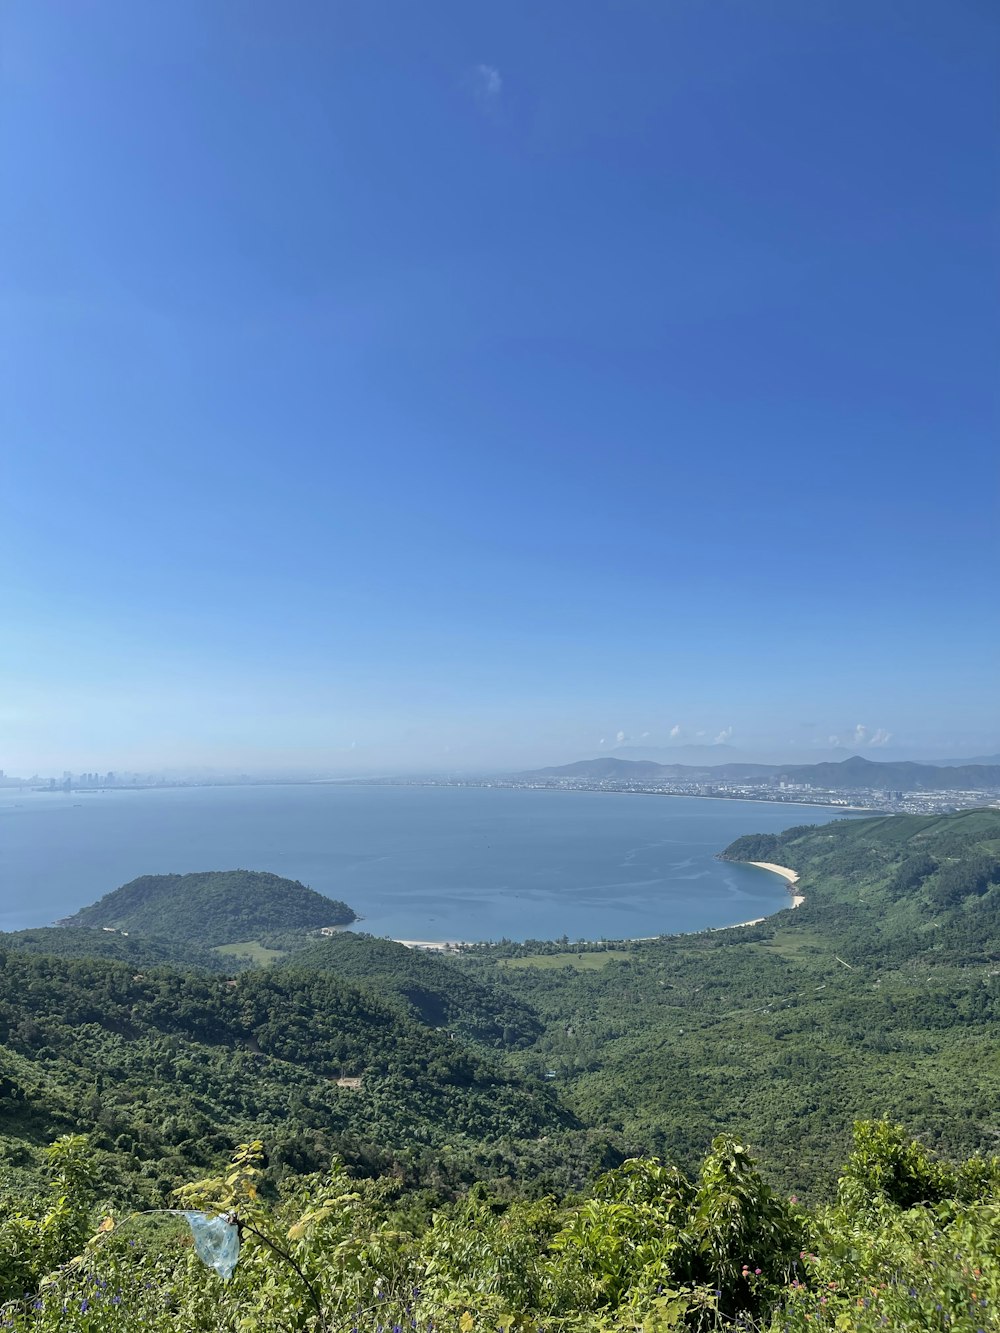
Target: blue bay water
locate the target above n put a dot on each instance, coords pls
(428, 863)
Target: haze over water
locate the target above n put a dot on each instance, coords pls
(430, 863)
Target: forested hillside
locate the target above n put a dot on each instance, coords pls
(166, 1070)
(429, 988)
(214, 907)
(97, 942)
(878, 995)
(531, 1069)
(881, 994)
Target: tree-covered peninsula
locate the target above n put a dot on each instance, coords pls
(213, 907)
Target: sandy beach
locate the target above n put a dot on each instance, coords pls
(737, 924)
(792, 876)
(435, 946)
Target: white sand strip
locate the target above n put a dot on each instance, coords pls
(736, 924)
(792, 876)
(440, 946)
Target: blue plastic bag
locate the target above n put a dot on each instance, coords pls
(216, 1242)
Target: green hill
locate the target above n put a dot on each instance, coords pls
(165, 1070)
(213, 907)
(429, 988)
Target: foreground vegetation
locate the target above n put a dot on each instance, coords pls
(908, 1243)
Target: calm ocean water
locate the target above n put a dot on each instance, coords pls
(415, 862)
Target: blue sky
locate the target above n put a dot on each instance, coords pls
(462, 384)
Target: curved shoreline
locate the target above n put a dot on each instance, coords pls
(791, 877)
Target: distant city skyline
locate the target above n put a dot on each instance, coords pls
(448, 386)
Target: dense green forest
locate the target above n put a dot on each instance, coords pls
(542, 1135)
(428, 988)
(214, 907)
(96, 942)
(165, 1070)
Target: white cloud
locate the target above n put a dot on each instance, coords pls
(602, 741)
(620, 737)
(726, 734)
(486, 85)
(675, 731)
(861, 735)
(643, 735)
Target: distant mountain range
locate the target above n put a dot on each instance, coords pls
(851, 773)
(715, 754)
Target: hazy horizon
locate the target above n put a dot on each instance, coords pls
(365, 766)
(450, 387)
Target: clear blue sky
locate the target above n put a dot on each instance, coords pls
(470, 382)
